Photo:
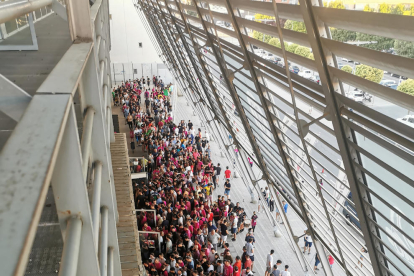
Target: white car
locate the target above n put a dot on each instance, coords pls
(268, 56)
(259, 52)
(388, 83)
(357, 96)
(307, 74)
(220, 24)
(408, 120)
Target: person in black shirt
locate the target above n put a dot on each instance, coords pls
(217, 169)
(190, 124)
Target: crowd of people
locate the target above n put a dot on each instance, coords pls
(187, 231)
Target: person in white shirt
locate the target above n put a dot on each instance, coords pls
(308, 242)
(269, 263)
(285, 272)
(207, 135)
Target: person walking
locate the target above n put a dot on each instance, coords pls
(269, 263)
(317, 262)
(285, 208)
(254, 220)
(272, 204)
(227, 187)
(227, 173)
(308, 242)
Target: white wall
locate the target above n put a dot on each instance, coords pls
(127, 31)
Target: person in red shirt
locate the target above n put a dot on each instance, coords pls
(248, 262)
(236, 271)
(227, 173)
(228, 269)
(237, 264)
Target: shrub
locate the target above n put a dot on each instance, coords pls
(347, 69)
(369, 73)
(407, 86)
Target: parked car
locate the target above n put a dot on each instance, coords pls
(394, 86)
(268, 56)
(221, 24)
(408, 120)
(357, 63)
(307, 74)
(295, 69)
(259, 52)
(357, 96)
(398, 76)
(388, 83)
(346, 60)
(275, 60)
(316, 79)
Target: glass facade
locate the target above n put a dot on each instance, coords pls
(337, 145)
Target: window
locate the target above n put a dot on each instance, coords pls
(140, 44)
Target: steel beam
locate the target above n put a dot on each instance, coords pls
(315, 29)
(223, 69)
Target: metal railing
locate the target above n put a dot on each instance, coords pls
(54, 154)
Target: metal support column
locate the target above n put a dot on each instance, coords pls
(71, 247)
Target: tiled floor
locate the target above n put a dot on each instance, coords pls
(264, 234)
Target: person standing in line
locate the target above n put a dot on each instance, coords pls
(269, 263)
(250, 251)
(227, 187)
(286, 272)
(217, 170)
(254, 220)
(234, 226)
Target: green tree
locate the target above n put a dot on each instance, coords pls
(398, 9)
(291, 47)
(383, 43)
(347, 69)
(295, 26)
(369, 73)
(311, 56)
(337, 4)
(343, 35)
(367, 8)
(275, 42)
(384, 8)
(404, 48)
(407, 86)
(302, 51)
